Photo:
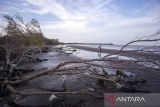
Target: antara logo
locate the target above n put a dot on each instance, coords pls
(112, 99)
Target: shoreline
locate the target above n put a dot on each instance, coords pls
(112, 51)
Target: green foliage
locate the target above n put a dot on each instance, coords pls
(29, 33)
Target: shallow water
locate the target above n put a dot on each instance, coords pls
(83, 54)
(118, 47)
(96, 55)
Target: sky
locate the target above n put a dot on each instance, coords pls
(89, 21)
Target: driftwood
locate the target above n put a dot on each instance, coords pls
(82, 91)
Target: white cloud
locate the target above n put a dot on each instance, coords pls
(84, 20)
(49, 6)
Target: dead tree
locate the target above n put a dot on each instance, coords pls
(19, 31)
(17, 43)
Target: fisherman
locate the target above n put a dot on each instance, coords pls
(99, 48)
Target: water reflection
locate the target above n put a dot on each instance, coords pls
(99, 55)
(88, 54)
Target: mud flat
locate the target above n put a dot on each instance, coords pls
(70, 81)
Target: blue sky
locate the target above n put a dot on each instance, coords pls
(105, 21)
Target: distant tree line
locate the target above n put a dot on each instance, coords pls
(51, 41)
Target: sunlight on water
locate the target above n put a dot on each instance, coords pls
(95, 55)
